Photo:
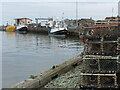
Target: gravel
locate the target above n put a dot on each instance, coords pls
(70, 79)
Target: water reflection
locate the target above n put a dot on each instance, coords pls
(30, 54)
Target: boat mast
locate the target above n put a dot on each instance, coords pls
(63, 23)
(76, 13)
(63, 16)
(112, 11)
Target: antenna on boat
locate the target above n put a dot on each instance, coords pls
(63, 23)
(63, 16)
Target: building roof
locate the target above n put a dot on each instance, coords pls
(111, 18)
(102, 21)
(102, 26)
(22, 18)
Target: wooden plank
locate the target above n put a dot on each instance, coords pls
(92, 42)
(96, 56)
(87, 74)
(100, 58)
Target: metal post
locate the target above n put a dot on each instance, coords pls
(102, 49)
(98, 70)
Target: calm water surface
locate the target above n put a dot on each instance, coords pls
(29, 54)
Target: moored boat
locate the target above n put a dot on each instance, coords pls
(23, 29)
(22, 25)
(10, 29)
(59, 30)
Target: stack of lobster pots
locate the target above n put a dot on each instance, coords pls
(101, 60)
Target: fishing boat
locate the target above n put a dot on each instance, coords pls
(59, 29)
(23, 29)
(22, 25)
(10, 29)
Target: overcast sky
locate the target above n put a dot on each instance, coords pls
(97, 9)
(59, 0)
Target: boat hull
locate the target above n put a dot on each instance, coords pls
(22, 30)
(10, 29)
(54, 35)
(61, 33)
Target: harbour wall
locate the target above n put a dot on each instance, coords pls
(72, 32)
(75, 32)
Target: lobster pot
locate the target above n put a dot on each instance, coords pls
(108, 66)
(104, 49)
(94, 48)
(104, 32)
(107, 81)
(90, 66)
(118, 66)
(110, 48)
(95, 38)
(118, 74)
(98, 81)
(93, 63)
(100, 64)
(111, 37)
(118, 78)
(118, 44)
(88, 81)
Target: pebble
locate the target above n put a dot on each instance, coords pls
(68, 80)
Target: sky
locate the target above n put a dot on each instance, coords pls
(59, 0)
(97, 9)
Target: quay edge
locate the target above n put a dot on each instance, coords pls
(44, 30)
(54, 72)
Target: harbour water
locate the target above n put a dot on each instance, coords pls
(29, 54)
